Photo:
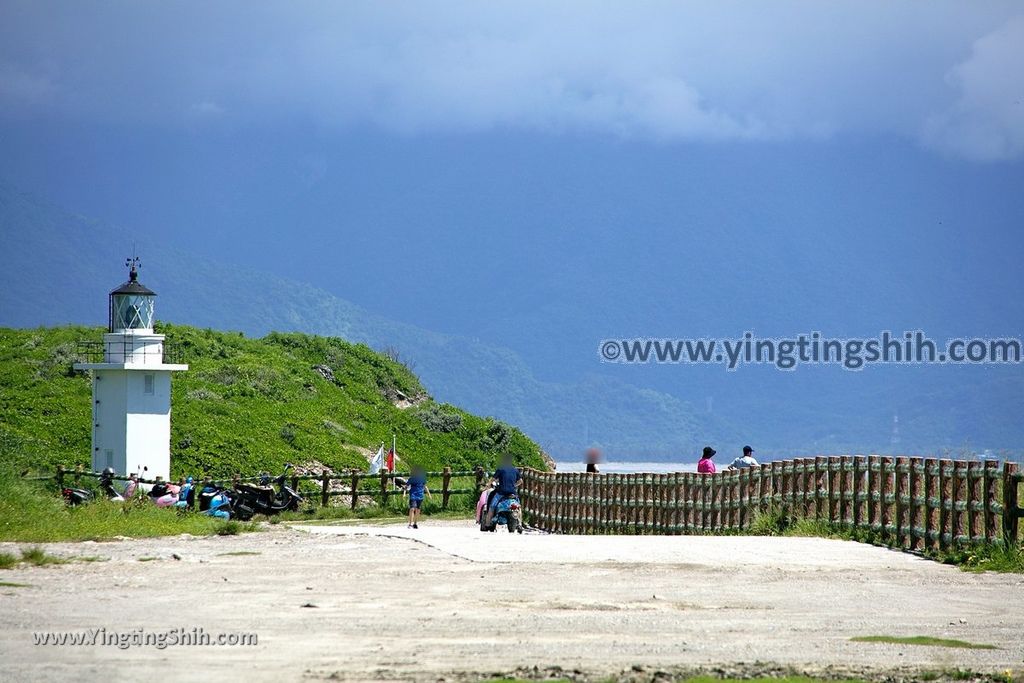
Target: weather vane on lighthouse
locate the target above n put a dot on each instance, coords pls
(131, 387)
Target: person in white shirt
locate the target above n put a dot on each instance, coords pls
(746, 460)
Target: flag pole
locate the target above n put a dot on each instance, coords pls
(394, 449)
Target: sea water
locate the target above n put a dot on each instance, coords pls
(626, 467)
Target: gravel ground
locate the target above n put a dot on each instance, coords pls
(445, 601)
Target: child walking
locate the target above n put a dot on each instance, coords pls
(415, 488)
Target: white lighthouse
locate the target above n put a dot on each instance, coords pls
(131, 387)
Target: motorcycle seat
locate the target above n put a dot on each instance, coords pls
(256, 488)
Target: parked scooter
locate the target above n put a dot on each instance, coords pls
(507, 511)
(263, 499)
(186, 495)
(107, 485)
(164, 495)
(75, 496)
(217, 501)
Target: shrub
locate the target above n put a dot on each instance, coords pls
(439, 418)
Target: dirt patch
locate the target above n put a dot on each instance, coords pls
(452, 603)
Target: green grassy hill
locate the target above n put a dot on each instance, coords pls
(249, 405)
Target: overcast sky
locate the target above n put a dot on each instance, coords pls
(947, 76)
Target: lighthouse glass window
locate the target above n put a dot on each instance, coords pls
(133, 312)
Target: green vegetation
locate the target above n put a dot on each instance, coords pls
(239, 553)
(244, 406)
(14, 584)
(991, 557)
(37, 557)
(250, 405)
(34, 512)
(7, 560)
(923, 640)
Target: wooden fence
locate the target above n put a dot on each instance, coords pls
(913, 503)
(353, 486)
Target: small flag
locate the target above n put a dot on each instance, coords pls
(377, 461)
(391, 460)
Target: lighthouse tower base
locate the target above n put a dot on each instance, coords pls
(131, 397)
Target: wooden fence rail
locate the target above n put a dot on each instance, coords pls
(913, 503)
(360, 485)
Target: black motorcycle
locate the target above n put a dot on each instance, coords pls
(75, 496)
(107, 485)
(264, 499)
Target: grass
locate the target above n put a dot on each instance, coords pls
(923, 640)
(33, 512)
(239, 553)
(12, 584)
(37, 557)
(7, 560)
(249, 405)
(979, 558)
(148, 558)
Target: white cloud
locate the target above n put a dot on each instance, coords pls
(986, 123)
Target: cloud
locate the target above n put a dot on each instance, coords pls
(663, 71)
(205, 109)
(986, 123)
(20, 89)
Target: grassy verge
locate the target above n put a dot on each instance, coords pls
(927, 641)
(31, 511)
(993, 557)
(37, 557)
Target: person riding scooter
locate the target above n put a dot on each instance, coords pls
(506, 479)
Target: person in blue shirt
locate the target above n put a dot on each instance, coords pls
(415, 487)
(506, 479)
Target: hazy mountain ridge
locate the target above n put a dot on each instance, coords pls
(59, 267)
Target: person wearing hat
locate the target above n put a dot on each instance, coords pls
(705, 466)
(746, 460)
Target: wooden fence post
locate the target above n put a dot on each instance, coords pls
(885, 485)
(325, 488)
(60, 476)
(914, 522)
(858, 490)
(384, 486)
(478, 484)
(931, 538)
(1010, 520)
(845, 472)
(903, 478)
(446, 480)
(833, 500)
(355, 489)
(820, 484)
(989, 497)
(973, 499)
(945, 499)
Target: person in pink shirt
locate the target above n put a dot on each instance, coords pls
(705, 466)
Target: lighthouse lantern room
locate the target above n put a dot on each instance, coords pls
(131, 385)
